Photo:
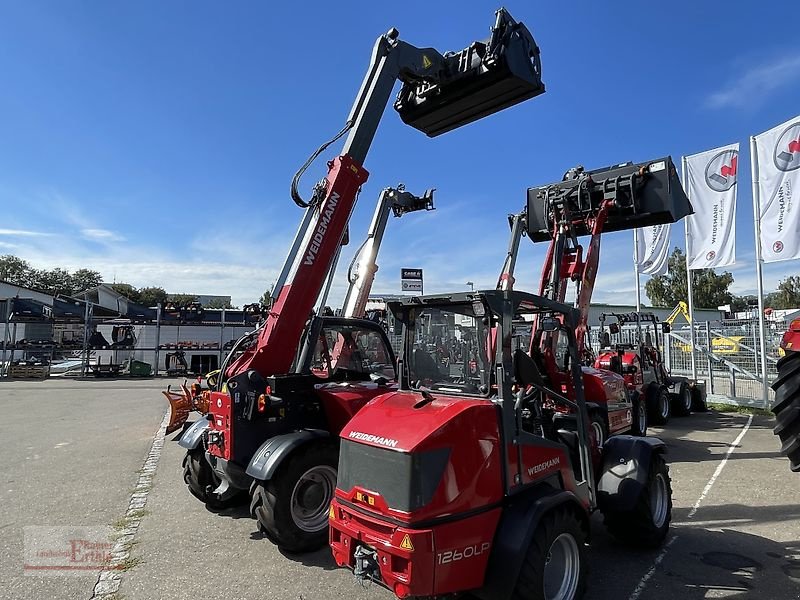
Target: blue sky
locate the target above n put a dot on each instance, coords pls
(155, 141)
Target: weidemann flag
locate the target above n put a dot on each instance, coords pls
(711, 187)
(651, 253)
(778, 156)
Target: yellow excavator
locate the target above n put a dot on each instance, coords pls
(720, 343)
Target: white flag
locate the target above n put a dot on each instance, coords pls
(778, 156)
(651, 253)
(711, 186)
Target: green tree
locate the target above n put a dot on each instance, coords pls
(709, 289)
(743, 303)
(54, 281)
(127, 290)
(182, 299)
(14, 270)
(220, 303)
(787, 295)
(266, 299)
(85, 279)
(152, 296)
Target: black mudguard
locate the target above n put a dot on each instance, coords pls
(520, 519)
(271, 453)
(193, 435)
(626, 461)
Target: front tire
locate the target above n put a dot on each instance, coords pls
(787, 407)
(599, 428)
(647, 523)
(200, 477)
(292, 507)
(659, 407)
(555, 563)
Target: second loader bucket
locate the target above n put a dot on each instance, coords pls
(647, 193)
(480, 80)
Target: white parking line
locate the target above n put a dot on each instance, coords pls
(110, 578)
(731, 447)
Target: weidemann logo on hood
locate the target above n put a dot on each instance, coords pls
(324, 221)
(375, 439)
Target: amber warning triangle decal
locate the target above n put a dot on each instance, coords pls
(426, 63)
(406, 544)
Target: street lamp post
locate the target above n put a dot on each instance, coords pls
(471, 286)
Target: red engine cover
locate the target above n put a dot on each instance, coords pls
(343, 400)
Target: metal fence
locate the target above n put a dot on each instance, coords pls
(727, 356)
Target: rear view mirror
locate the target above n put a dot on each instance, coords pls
(614, 328)
(665, 327)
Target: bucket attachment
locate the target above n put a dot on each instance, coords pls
(482, 79)
(647, 193)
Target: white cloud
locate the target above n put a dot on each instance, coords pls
(101, 235)
(754, 85)
(23, 233)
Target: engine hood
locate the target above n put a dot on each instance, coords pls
(404, 420)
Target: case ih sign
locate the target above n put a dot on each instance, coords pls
(411, 280)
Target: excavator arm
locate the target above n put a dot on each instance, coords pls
(440, 93)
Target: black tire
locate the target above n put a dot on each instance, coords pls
(199, 476)
(787, 408)
(682, 400)
(647, 524)
(640, 416)
(598, 428)
(559, 534)
(292, 507)
(699, 403)
(659, 407)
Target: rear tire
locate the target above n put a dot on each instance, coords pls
(555, 563)
(647, 523)
(787, 407)
(292, 507)
(699, 398)
(682, 402)
(639, 410)
(659, 407)
(199, 476)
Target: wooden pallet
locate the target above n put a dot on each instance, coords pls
(28, 372)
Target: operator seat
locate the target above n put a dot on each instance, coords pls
(605, 340)
(424, 365)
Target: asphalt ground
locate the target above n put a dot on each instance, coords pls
(76, 450)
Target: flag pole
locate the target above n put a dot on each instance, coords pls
(685, 177)
(759, 273)
(636, 268)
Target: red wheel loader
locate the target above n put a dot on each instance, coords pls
(487, 486)
(274, 433)
(787, 396)
(638, 359)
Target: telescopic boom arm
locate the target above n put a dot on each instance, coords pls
(440, 93)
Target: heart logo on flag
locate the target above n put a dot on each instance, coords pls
(721, 170)
(787, 150)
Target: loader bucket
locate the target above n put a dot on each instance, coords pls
(647, 193)
(482, 79)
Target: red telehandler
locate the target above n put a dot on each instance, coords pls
(787, 396)
(274, 431)
(487, 486)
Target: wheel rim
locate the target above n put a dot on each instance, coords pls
(562, 568)
(599, 434)
(659, 501)
(311, 497)
(664, 406)
(687, 399)
(642, 414)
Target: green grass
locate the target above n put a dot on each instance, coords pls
(742, 410)
(134, 515)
